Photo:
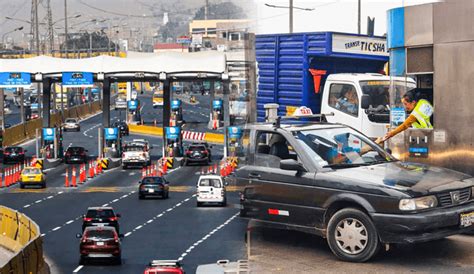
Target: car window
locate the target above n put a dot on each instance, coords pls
(210, 182)
(156, 180)
(75, 149)
(340, 146)
(105, 213)
(271, 149)
(344, 97)
(31, 171)
(133, 148)
(71, 121)
(197, 148)
(100, 234)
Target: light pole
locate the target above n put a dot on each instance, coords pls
(6, 33)
(291, 8)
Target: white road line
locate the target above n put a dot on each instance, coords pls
(26, 206)
(42, 234)
(206, 237)
(56, 228)
(149, 221)
(105, 205)
(127, 234)
(39, 201)
(138, 227)
(49, 197)
(114, 201)
(69, 222)
(77, 269)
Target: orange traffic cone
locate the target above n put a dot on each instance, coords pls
(1, 180)
(91, 170)
(215, 169)
(165, 169)
(73, 177)
(66, 179)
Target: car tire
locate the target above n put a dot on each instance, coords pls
(167, 194)
(22, 186)
(43, 185)
(124, 167)
(198, 204)
(224, 203)
(141, 197)
(118, 260)
(82, 261)
(360, 225)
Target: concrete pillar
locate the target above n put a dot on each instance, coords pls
(166, 111)
(271, 112)
(225, 86)
(46, 102)
(106, 103)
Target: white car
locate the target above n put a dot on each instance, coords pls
(135, 155)
(143, 142)
(71, 124)
(211, 189)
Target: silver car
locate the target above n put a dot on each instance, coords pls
(71, 124)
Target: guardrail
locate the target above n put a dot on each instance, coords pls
(22, 132)
(20, 235)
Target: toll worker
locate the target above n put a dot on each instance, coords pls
(420, 113)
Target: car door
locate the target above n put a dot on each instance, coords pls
(278, 195)
(343, 101)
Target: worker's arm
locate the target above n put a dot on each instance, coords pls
(408, 122)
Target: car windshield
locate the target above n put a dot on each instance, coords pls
(155, 180)
(100, 234)
(133, 148)
(340, 147)
(31, 171)
(13, 149)
(210, 182)
(379, 90)
(75, 149)
(71, 121)
(100, 213)
(197, 148)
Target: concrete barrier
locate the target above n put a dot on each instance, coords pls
(21, 236)
(214, 138)
(158, 131)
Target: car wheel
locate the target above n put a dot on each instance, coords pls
(124, 167)
(167, 195)
(198, 204)
(43, 185)
(224, 203)
(22, 185)
(118, 260)
(141, 197)
(352, 235)
(82, 261)
(79, 129)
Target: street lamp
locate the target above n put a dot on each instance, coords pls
(3, 36)
(291, 8)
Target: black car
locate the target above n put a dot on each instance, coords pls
(100, 216)
(331, 180)
(207, 146)
(75, 155)
(13, 155)
(197, 154)
(153, 186)
(123, 128)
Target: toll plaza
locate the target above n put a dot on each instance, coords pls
(174, 141)
(133, 111)
(234, 141)
(176, 116)
(217, 114)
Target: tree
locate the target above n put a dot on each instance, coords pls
(226, 10)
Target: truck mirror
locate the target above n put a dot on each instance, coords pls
(365, 101)
(290, 164)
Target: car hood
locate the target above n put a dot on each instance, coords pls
(413, 178)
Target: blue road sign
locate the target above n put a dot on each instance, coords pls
(175, 104)
(48, 134)
(78, 79)
(132, 104)
(217, 103)
(111, 133)
(172, 132)
(15, 79)
(235, 132)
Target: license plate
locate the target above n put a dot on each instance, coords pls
(467, 219)
(151, 191)
(100, 243)
(98, 224)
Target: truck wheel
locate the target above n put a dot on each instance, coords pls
(352, 235)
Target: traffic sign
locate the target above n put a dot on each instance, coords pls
(48, 134)
(184, 40)
(133, 104)
(78, 79)
(111, 133)
(15, 79)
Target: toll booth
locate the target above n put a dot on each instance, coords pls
(133, 111)
(51, 143)
(112, 143)
(174, 142)
(234, 141)
(217, 113)
(176, 117)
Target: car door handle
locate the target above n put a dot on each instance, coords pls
(254, 175)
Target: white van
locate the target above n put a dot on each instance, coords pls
(211, 189)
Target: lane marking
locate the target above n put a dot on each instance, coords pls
(77, 269)
(69, 222)
(56, 228)
(127, 234)
(195, 244)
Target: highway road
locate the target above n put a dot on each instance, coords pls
(155, 229)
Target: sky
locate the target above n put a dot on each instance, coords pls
(328, 15)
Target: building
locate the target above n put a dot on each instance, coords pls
(205, 33)
(434, 43)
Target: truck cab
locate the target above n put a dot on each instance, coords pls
(361, 100)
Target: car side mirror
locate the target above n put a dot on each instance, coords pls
(365, 101)
(78, 235)
(290, 164)
(118, 215)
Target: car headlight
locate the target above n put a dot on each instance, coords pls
(418, 203)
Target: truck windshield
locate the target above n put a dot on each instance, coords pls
(340, 147)
(379, 91)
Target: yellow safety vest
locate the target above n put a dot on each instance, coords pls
(422, 112)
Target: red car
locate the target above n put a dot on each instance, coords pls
(164, 266)
(100, 242)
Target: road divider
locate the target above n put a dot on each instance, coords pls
(187, 135)
(20, 235)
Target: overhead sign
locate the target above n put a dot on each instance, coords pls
(15, 80)
(184, 40)
(235, 132)
(359, 45)
(78, 79)
(48, 134)
(111, 133)
(172, 132)
(133, 104)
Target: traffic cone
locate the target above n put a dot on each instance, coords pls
(1, 180)
(66, 179)
(16, 174)
(7, 177)
(91, 171)
(73, 177)
(215, 169)
(143, 172)
(165, 168)
(83, 173)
